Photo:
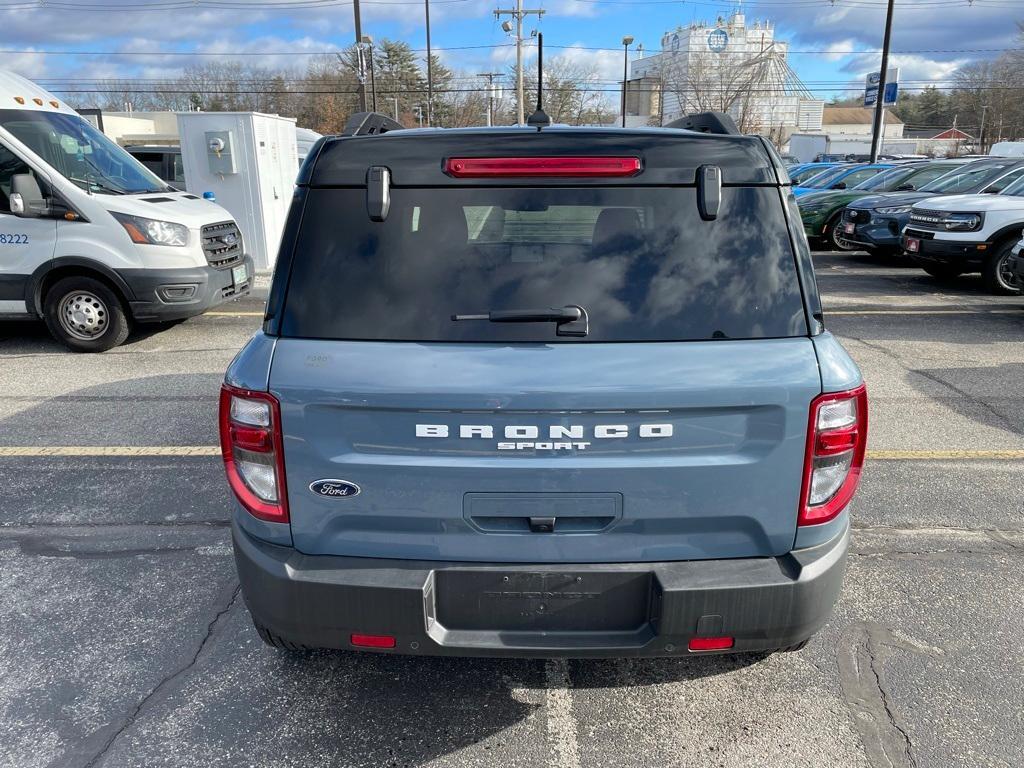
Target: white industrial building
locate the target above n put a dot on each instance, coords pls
(743, 68)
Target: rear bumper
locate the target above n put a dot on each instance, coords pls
(469, 609)
(174, 294)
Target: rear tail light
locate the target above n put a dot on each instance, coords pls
(484, 167)
(250, 441)
(837, 436)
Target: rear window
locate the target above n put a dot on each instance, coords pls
(639, 260)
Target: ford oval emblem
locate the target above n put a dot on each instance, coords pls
(334, 489)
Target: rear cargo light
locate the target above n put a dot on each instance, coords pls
(373, 641)
(250, 441)
(710, 643)
(485, 167)
(837, 436)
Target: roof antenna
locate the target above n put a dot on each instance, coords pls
(539, 118)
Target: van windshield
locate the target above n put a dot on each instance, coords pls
(639, 260)
(80, 152)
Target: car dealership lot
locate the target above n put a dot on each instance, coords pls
(126, 643)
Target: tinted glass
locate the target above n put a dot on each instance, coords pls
(639, 260)
(807, 173)
(926, 175)
(856, 177)
(1004, 182)
(80, 152)
(178, 173)
(965, 179)
(885, 180)
(10, 165)
(824, 178)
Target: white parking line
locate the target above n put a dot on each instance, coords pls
(562, 727)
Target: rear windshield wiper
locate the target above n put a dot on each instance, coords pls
(572, 313)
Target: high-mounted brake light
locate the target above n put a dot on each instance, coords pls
(837, 437)
(520, 167)
(250, 441)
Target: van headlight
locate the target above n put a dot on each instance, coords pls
(963, 222)
(152, 231)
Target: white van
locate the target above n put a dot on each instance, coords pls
(92, 241)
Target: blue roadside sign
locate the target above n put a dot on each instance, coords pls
(892, 87)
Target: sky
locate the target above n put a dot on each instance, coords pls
(834, 43)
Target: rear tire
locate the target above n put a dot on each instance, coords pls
(942, 271)
(278, 642)
(996, 275)
(85, 314)
(832, 235)
(793, 648)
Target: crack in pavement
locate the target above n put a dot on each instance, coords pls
(85, 757)
(863, 648)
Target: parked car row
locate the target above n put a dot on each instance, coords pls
(949, 216)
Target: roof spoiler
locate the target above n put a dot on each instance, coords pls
(370, 123)
(707, 122)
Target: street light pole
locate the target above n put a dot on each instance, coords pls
(361, 76)
(373, 83)
(876, 131)
(430, 70)
(626, 42)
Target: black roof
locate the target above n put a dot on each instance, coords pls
(416, 157)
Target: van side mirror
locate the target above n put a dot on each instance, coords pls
(26, 197)
(839, 185)
(904, 188)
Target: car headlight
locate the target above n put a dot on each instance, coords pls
(152, 231)
(893, 210)
(963, 222)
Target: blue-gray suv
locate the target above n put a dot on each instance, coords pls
(559, 392)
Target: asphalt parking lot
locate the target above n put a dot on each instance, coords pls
(125, 641)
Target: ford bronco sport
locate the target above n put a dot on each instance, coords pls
(560, 392)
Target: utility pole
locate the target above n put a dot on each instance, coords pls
(876, 132)
(981, 130)
(518, 13)
(430, 70)
(490, 95)
(360, 75)
(368, 41)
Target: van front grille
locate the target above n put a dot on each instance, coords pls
(222, 244)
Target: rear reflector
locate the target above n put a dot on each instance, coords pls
(837, 435)
(710, 643)
(373, 641)
(512, 167)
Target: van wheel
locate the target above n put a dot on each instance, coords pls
(996, 273)
(276, 641)
(85, 315)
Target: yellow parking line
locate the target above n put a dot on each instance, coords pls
(213, 450)
(110, 450)
(882, 455)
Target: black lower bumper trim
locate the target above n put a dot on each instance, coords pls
(174, 294)
(467, 609)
